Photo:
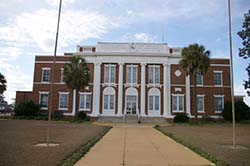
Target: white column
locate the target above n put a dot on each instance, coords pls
(120, 90)
(96, 92)
(166, 91)
(188, 95)
(143, 81)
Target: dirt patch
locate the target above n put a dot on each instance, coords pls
(18, 137)
(212, 138)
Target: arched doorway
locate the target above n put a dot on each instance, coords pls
(131, 106)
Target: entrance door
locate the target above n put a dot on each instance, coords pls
(131, 104)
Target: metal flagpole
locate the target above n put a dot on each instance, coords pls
(231, 71)
(52, 77)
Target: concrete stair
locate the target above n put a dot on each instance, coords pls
(131, 119)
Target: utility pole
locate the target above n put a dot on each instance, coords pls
(52, 78)
(231, 71)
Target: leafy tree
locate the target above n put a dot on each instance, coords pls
(76, 75)
(195, 59)
(2, 84)
(244, 52)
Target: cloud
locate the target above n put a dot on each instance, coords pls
(146, 38)
(40, 27)
(16, 79)
(56, 2)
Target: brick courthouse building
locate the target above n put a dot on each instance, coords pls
(142, 79)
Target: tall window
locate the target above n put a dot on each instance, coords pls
(154, 74)
(131, 74)
(85, 101)
(45, 74)
(43, 100)
(178, 103)
(199, 78)
(154, 103)
(154, 100)
(109, 74)
(63, 100)
(200, 103)
(218, 103)
(109, 102)
(218, 78)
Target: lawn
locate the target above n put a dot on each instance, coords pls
(18, 137)
(212, 139)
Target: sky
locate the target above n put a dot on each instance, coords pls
(28, 28)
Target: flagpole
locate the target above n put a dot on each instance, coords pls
(231, 71)
(52, 77)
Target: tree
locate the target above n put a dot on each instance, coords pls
(3, 85)
(244, 52)
(195, 59)
(76, 75)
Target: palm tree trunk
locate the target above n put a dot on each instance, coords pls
(76, 104)
(195, 99)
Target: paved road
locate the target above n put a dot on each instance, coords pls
(139, 146)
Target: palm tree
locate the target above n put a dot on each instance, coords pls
(2, 84)
(195, 59)
(76, 75)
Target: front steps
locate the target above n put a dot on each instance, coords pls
(131, 119)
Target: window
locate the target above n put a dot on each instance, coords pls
(154, 100)
(85, 101)
(109, 74)
(62, 75)
(132, 74)
(178, 103)
(154, 74)
(63, 100)
(45, 74)
(43, 100)
(199, 78)
(218, 103)
(154, 103)
(218, 78)
(109, 102)
(200, 103)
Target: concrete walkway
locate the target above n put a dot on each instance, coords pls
(139, 146)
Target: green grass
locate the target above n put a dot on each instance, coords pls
(199, 151)
(78, 154)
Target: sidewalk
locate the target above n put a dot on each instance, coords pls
(139, 146)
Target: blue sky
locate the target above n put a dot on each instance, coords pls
(27, 28)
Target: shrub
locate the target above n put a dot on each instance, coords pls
(57, 115)
(82, 116)
(181, 118)
(206, 118)
(242, 111)
(27, 108)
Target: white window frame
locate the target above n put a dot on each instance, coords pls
(61, 76)
(218, 96)
(201, 76)
(221, 74)
(132, 74)
(43, 69)
(154, 92)
(43, 93)
(82, 94)
(109, 66)
(178, 103)
(154, 74)
(109, 91)
(59, 102)
(203, 103)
